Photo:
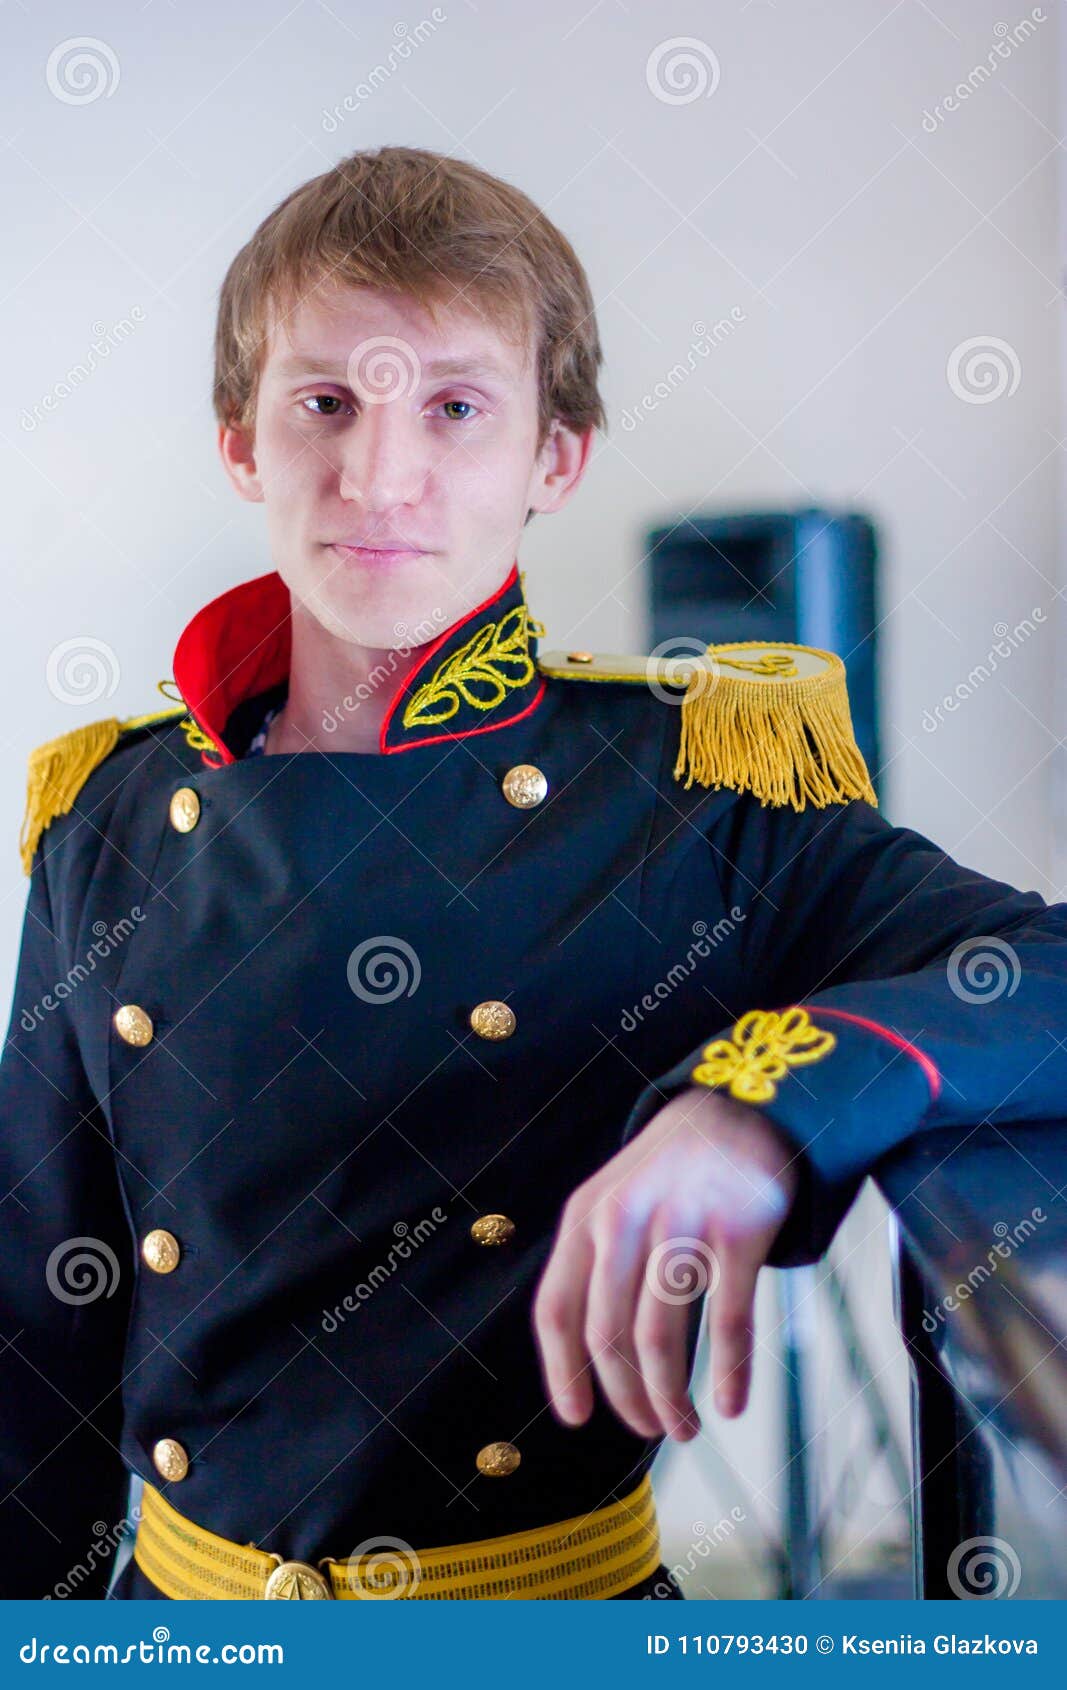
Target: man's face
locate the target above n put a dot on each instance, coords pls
(377, 427)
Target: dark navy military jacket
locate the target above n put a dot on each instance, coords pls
(318, 1125)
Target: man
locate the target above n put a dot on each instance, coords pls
(346, 1195)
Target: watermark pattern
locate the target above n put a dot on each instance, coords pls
(702, 947)
(682, 70)
(81, 69)
(681, 1269)
(100, 349)
(1008, 1241)
(408, 1240)
(107, 939)
(82, 1270)
(105, 1539)
(1007, 39)
(382, 1568)
(670, 666)
(82, 670)
(1007, 641)
(982, 369)
(700, 1547)
(421, 634)
(983, 968)
(383, 368)
(982, 1568)
(705, 343)
(384, 968)
(403, 47)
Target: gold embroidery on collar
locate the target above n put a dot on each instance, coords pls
(493, 662)
(761, 1049)
(196, 738)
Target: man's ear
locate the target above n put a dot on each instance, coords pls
(561, 464)
(237, 450)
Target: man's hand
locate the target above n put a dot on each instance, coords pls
(692, 1204)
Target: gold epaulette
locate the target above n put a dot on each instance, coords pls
(59, 769)
(773, 720)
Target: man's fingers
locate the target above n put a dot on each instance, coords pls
(731, 1321)
(620, 1247)
(616, 1297)
(559, 1323)
(678, 1271)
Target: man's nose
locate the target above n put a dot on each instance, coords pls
(383, 461)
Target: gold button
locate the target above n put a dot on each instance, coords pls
(295, 1581)
(493, 1020)
(160, 1251)
(170, 1459)
(133, 1024)
(524, 786)
(498, 1460)
(492, 1229)
(579, 657)
(184, 809)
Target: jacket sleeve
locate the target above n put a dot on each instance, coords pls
(66, 1276)
(893, 991)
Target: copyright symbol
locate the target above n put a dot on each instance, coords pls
(825, 1645)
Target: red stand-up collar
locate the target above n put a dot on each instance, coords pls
(480, 674)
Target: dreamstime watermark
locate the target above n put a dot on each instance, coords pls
(81, 69)
(983, 969)
(100, 348)
(383, 368)
(382, 1568)
(1007, 39)
(1008, 1241)
(983, 369)
(982, 1568)
(701, 948)
(82, 1270)
(701, 1545)
(681, 70)
(1007, 641)
(408, 1240)
(105, 1540)
(82, 670)
(383, 968)
(671, 665)
(403, 47)
(679, 1270)
(107, 940)
(411, 637)
(702, 347)
(143, 1653)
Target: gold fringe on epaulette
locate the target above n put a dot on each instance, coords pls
(785, 741)
(59, 769)
(57, 772)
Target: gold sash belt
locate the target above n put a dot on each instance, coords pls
(592, 1555)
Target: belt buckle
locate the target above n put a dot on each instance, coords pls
(295, 1581)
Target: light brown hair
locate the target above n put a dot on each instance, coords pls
(437, 229)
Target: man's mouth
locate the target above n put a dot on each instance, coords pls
(354, 553)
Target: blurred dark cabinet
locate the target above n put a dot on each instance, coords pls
(808, 577)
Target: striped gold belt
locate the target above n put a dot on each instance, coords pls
(589, 1556)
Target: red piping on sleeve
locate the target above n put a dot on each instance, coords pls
(933, 1077)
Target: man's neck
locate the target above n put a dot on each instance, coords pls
(339, 693)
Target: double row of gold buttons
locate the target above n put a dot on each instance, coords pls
(523, 786)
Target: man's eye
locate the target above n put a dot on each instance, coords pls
(458, 410)
(322, 398)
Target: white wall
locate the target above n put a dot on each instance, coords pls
(857, 249)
